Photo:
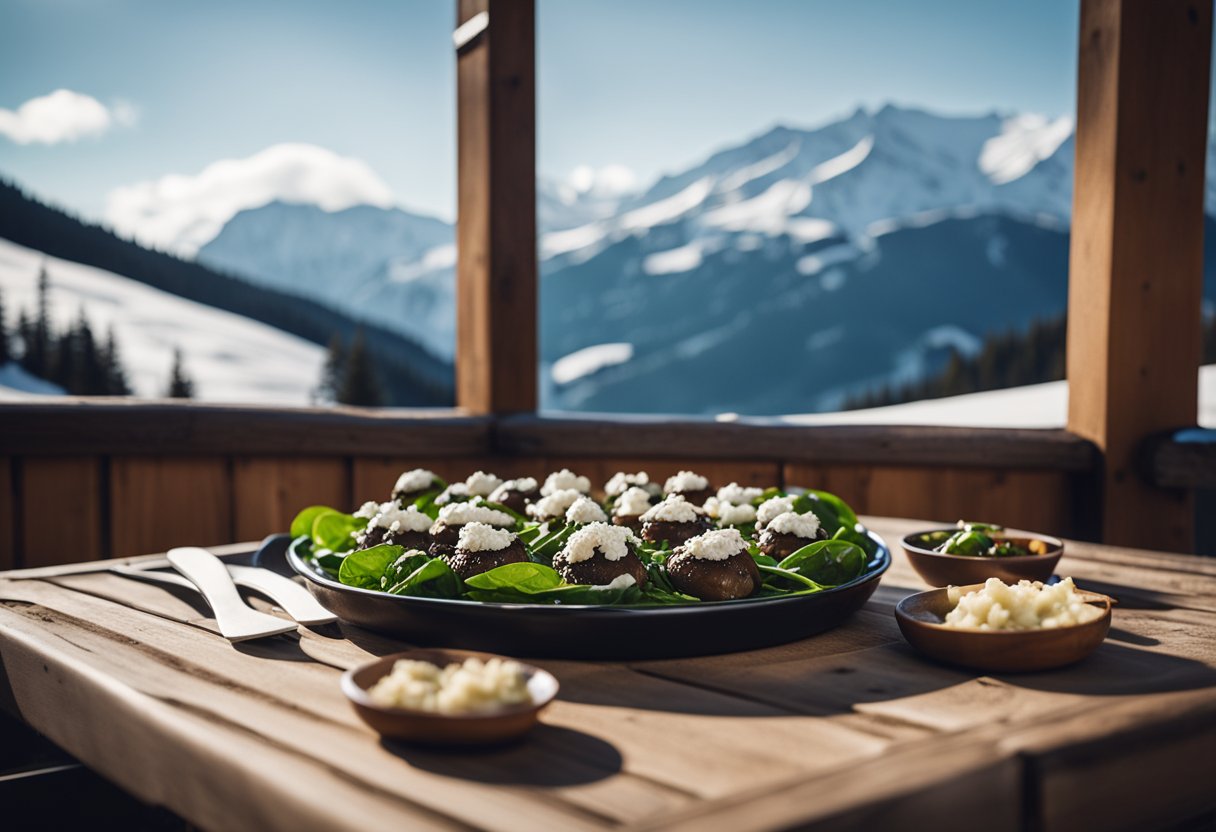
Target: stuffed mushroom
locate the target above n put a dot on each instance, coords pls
(392, 524)
(715, 566)
(629, 508)
(600, 554)
(554, 506)
(445, 533)
(674, 520)
(516, 494)
(692, 487)
(482, 547)
(413, 484)
(788, 532)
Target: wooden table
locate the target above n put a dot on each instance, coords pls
(851, 728)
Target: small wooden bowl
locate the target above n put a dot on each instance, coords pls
(940, 569)
(920, 619)
(431, 728)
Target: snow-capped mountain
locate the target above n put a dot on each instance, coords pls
(801, 262)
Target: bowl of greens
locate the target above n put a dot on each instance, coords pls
(971, 553)
(523, 599)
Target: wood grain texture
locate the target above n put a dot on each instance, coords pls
(269, 491)
(136, 426)
(847, 730)
(162, 502)
(1136, 263)
(1036, 500)
(8, 514)
(757, 438)
(496, 265)
(49, 535)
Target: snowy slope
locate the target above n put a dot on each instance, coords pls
(230, 358)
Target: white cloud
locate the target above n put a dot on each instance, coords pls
(180, 212)
(62, 116)
(608, 181)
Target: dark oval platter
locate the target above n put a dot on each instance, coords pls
(587, 632)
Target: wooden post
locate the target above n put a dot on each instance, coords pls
(1136, 265)
(496, 263)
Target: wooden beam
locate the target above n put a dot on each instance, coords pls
(496, 263)
(1135, 272)
(757, 439)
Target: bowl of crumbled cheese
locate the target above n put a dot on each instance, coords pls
(449, 697)
(1021, 627)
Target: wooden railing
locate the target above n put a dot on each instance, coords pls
(87, 479)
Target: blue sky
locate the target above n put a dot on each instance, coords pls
(652, 85)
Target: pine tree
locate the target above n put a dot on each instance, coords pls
(38, 345)
(5, 342)
(359, 383)
(331, 374)
(90, 377)
(115, 375)
(181, 386)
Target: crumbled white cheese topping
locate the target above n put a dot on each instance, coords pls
(732, 515)
(716, 545)
(711, 506)
(799, 525)
(772, 507)
(632, 503)
(397, 519)
(685, 481)
(565, 480)
(612, 541)
(457, 514)
(619, 582)
(1026, 605)
(737, 495)
(479, 537)
(525, 485)
(456, 489)
(481, 484)
(472, 687)
(369, 509)
(674, 509)
(621, 482)
(554, 505)
(585, 510)
(418, 479)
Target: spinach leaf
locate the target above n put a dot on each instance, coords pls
(827, 562)
(302, 524)
(334, 530)
(844, 515)
(432, 578)
(546, 548)
(425, 502)
(367, 568)
(967, 543)
(790, 575)
(527, 578)
(857, 538)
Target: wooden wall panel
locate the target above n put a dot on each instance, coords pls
(61, 510)
(1037, 500)
(158, 503)
(8, 525)
(268, 491)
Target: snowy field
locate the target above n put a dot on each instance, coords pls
(230, 358)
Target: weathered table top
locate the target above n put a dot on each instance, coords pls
(850, 728)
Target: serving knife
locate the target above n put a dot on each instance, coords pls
(236, 619)
(293, 598)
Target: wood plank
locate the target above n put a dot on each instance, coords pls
(1136, 263)
(8, 514)
(136, 426)
(158, 503)
(269, 491)
(774, 439)
(496, 265)
(47, 485)
(1036, 500)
